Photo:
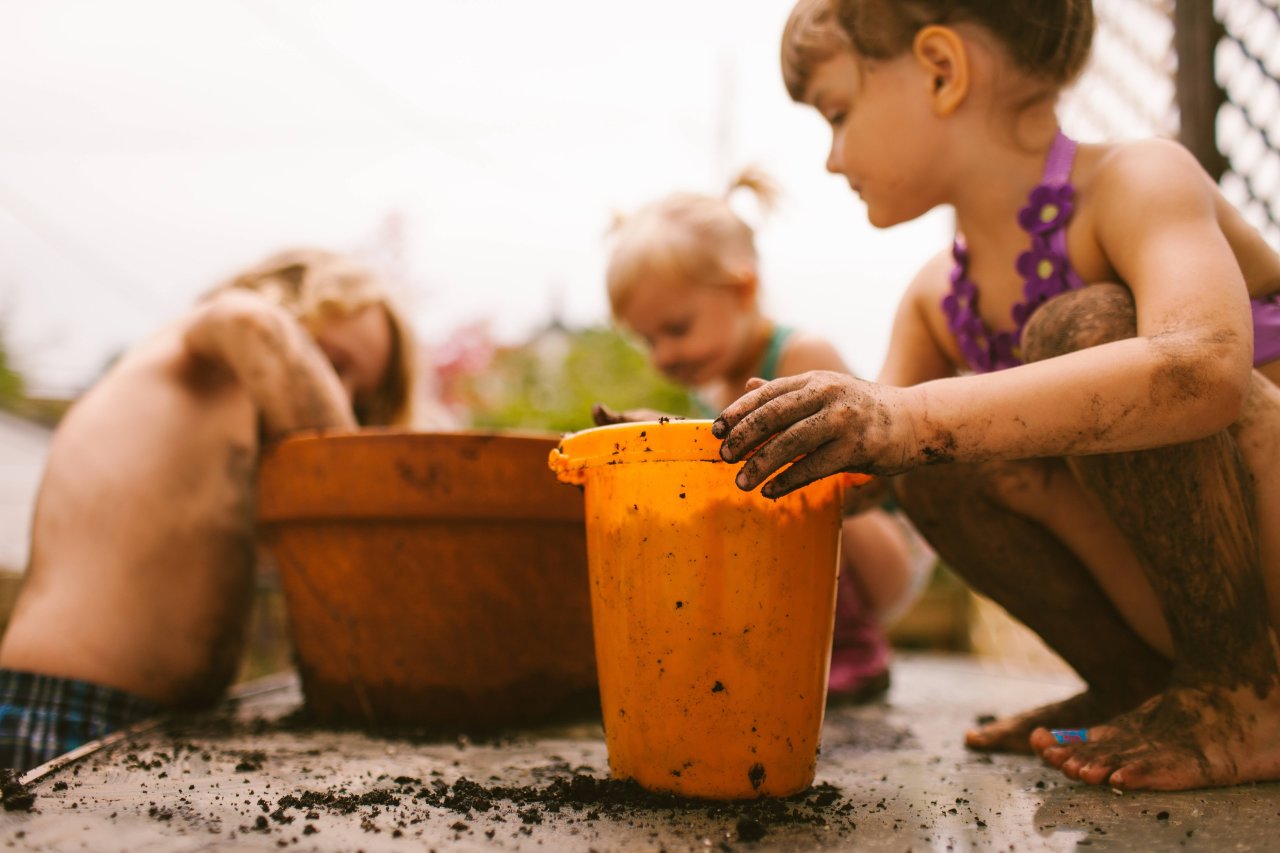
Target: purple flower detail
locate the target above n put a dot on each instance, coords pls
(965, 290)
(976, 354)
(1048, 208)
(1002, 351)
(1040, 262)
(1021, 313)
(1043, 271)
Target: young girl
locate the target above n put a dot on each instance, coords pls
(684, 276)
(1077, 370)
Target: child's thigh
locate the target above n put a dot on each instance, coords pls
(1258, 435)
(1047, 492)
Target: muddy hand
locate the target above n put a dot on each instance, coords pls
(605, 416)
(818, 424)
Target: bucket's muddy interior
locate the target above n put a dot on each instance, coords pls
(434, 581)
(713, 611)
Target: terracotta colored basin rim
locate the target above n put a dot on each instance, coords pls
(396, 474)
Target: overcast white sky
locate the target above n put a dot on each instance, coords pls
(150, 148)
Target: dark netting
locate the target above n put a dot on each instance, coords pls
(1130, 90)
(1247, 62)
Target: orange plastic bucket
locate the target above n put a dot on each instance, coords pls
(712, 610)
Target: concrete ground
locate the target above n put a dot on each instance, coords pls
(892, 776)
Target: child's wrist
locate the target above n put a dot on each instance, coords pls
(914, 431)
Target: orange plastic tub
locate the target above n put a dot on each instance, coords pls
(712, 611)
(433, 580)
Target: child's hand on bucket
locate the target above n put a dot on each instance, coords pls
(821, 422)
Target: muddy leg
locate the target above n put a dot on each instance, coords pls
(1188, 513)
(967, 512)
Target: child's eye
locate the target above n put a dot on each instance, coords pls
(676, 330)
(835, 119)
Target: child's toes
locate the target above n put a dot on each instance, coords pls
(1054, 756)
(1153, 774)
(1071, 767)
(1042, 741)
(1095, 772)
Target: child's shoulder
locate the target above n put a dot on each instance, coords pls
(1112, 171)
(1141, 186)
(805, 351)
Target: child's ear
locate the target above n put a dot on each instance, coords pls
(941, 53)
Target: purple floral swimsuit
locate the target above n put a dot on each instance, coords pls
(1046, 272)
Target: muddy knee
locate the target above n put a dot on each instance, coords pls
(1079, 319)
(931, 494)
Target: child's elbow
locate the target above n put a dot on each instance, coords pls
(234, 319)
(1228, 403)
(1210, 375)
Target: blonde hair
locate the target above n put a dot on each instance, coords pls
(314, 285)
(812, 35)
(688, 236)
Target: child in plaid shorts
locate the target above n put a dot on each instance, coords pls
(43, 716)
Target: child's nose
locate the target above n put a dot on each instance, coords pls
(665, 356)
(833, 160)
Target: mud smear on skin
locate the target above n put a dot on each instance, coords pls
(941, 450)
(1189, 512)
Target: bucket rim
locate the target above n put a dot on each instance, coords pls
(673, 440)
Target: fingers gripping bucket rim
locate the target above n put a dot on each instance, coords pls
(712, 611)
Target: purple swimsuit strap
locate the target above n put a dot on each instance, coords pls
(1057, 172)
(1266, 328)
(1044, 267)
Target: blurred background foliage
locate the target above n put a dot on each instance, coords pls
(551, 381)
(12, 388)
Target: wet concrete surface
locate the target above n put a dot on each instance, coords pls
(892, 776)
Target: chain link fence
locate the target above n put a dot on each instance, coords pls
(1247, 67)
(1131, 89)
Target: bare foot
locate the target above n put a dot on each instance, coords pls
(1184, 738)
(1013, 734)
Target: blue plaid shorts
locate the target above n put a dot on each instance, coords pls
(43, 716)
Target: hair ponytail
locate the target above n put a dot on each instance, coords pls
(690, 237)
(757, 182)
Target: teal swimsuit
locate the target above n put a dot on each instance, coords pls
(768, 367)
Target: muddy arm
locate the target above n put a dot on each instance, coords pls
(1182, 378)
(273, 358)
